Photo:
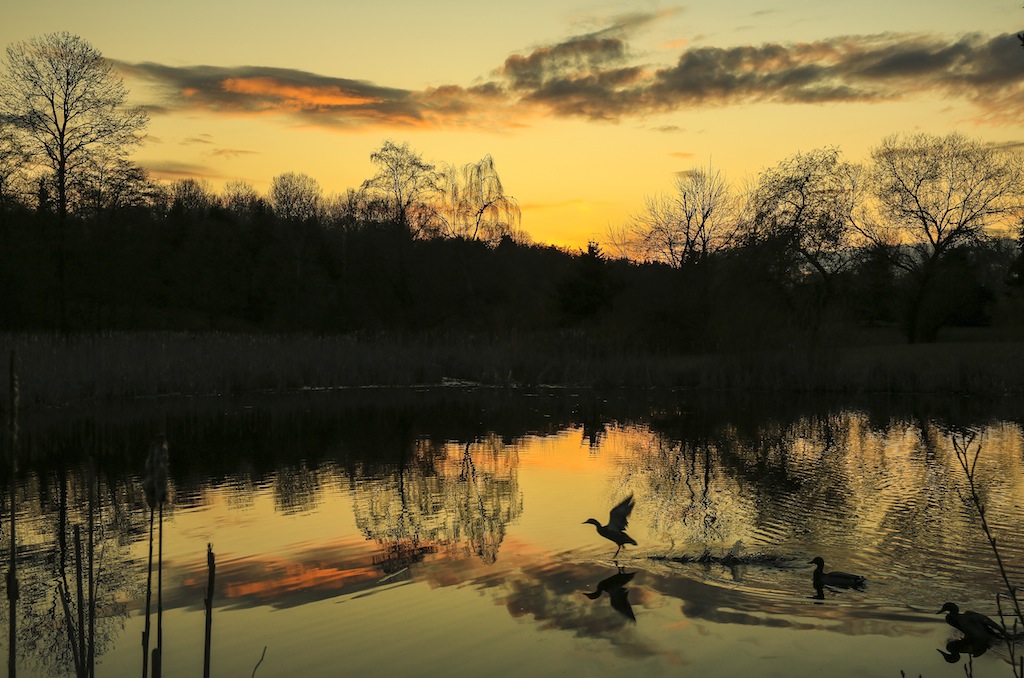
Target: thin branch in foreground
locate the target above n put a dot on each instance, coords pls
(968, 460)
(259, 662)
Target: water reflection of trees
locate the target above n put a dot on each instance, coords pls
(838, 479)
(297, 488)
(445, 496)
(53, 505)
(712, 486)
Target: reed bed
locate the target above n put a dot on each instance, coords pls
(59, 371)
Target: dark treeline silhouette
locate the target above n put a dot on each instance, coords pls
(217, 269)
(211, 265)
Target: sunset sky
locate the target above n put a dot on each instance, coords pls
(585, 107)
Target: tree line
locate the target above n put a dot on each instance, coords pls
(926, 234)
(932, 223)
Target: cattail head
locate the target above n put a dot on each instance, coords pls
(154, 482)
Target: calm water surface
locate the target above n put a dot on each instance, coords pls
(441, 534)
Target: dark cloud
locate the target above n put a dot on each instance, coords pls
(865, 69)
(232, 152)
(597, 76)
(609, 94)
(179, 170)
(581, 57)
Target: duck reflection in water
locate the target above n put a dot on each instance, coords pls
(615, 587)
(618, 520)
(833, 580)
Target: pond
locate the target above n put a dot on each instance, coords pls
(441, 532)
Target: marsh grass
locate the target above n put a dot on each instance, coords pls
(102, 367)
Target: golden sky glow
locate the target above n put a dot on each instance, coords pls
(585, 107)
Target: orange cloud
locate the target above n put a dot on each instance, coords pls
(297, 96)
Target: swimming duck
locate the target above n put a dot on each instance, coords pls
(618, 519)
(843, 580)
(971, 624)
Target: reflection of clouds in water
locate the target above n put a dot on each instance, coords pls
(281, 580)
(722, 604)
(555, 597)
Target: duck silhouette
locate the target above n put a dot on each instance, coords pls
(618, 520)
(615, 587)
(972, 624)
(840, 580)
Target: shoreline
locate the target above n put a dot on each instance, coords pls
(69, 371)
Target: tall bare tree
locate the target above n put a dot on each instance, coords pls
(936, 194)
(406, 181)
(67, 100)
(297, 200)
(67, 103)
(805, 204)
(296, 196)
(192, 197)
(241, 199)
(13, 162)
(684, 227)
(109, 184)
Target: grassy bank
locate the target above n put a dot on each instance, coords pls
(82, 368)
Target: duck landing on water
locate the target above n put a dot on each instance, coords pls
(618, 520)
(972, 624)
(841, 580)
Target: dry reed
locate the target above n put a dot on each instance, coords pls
(103, 367)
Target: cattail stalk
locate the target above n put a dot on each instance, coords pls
(81, 597)
(149, 593)
(158, 653)
(90, 663)
(154, 484)
(211, 569)
(12, 572)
